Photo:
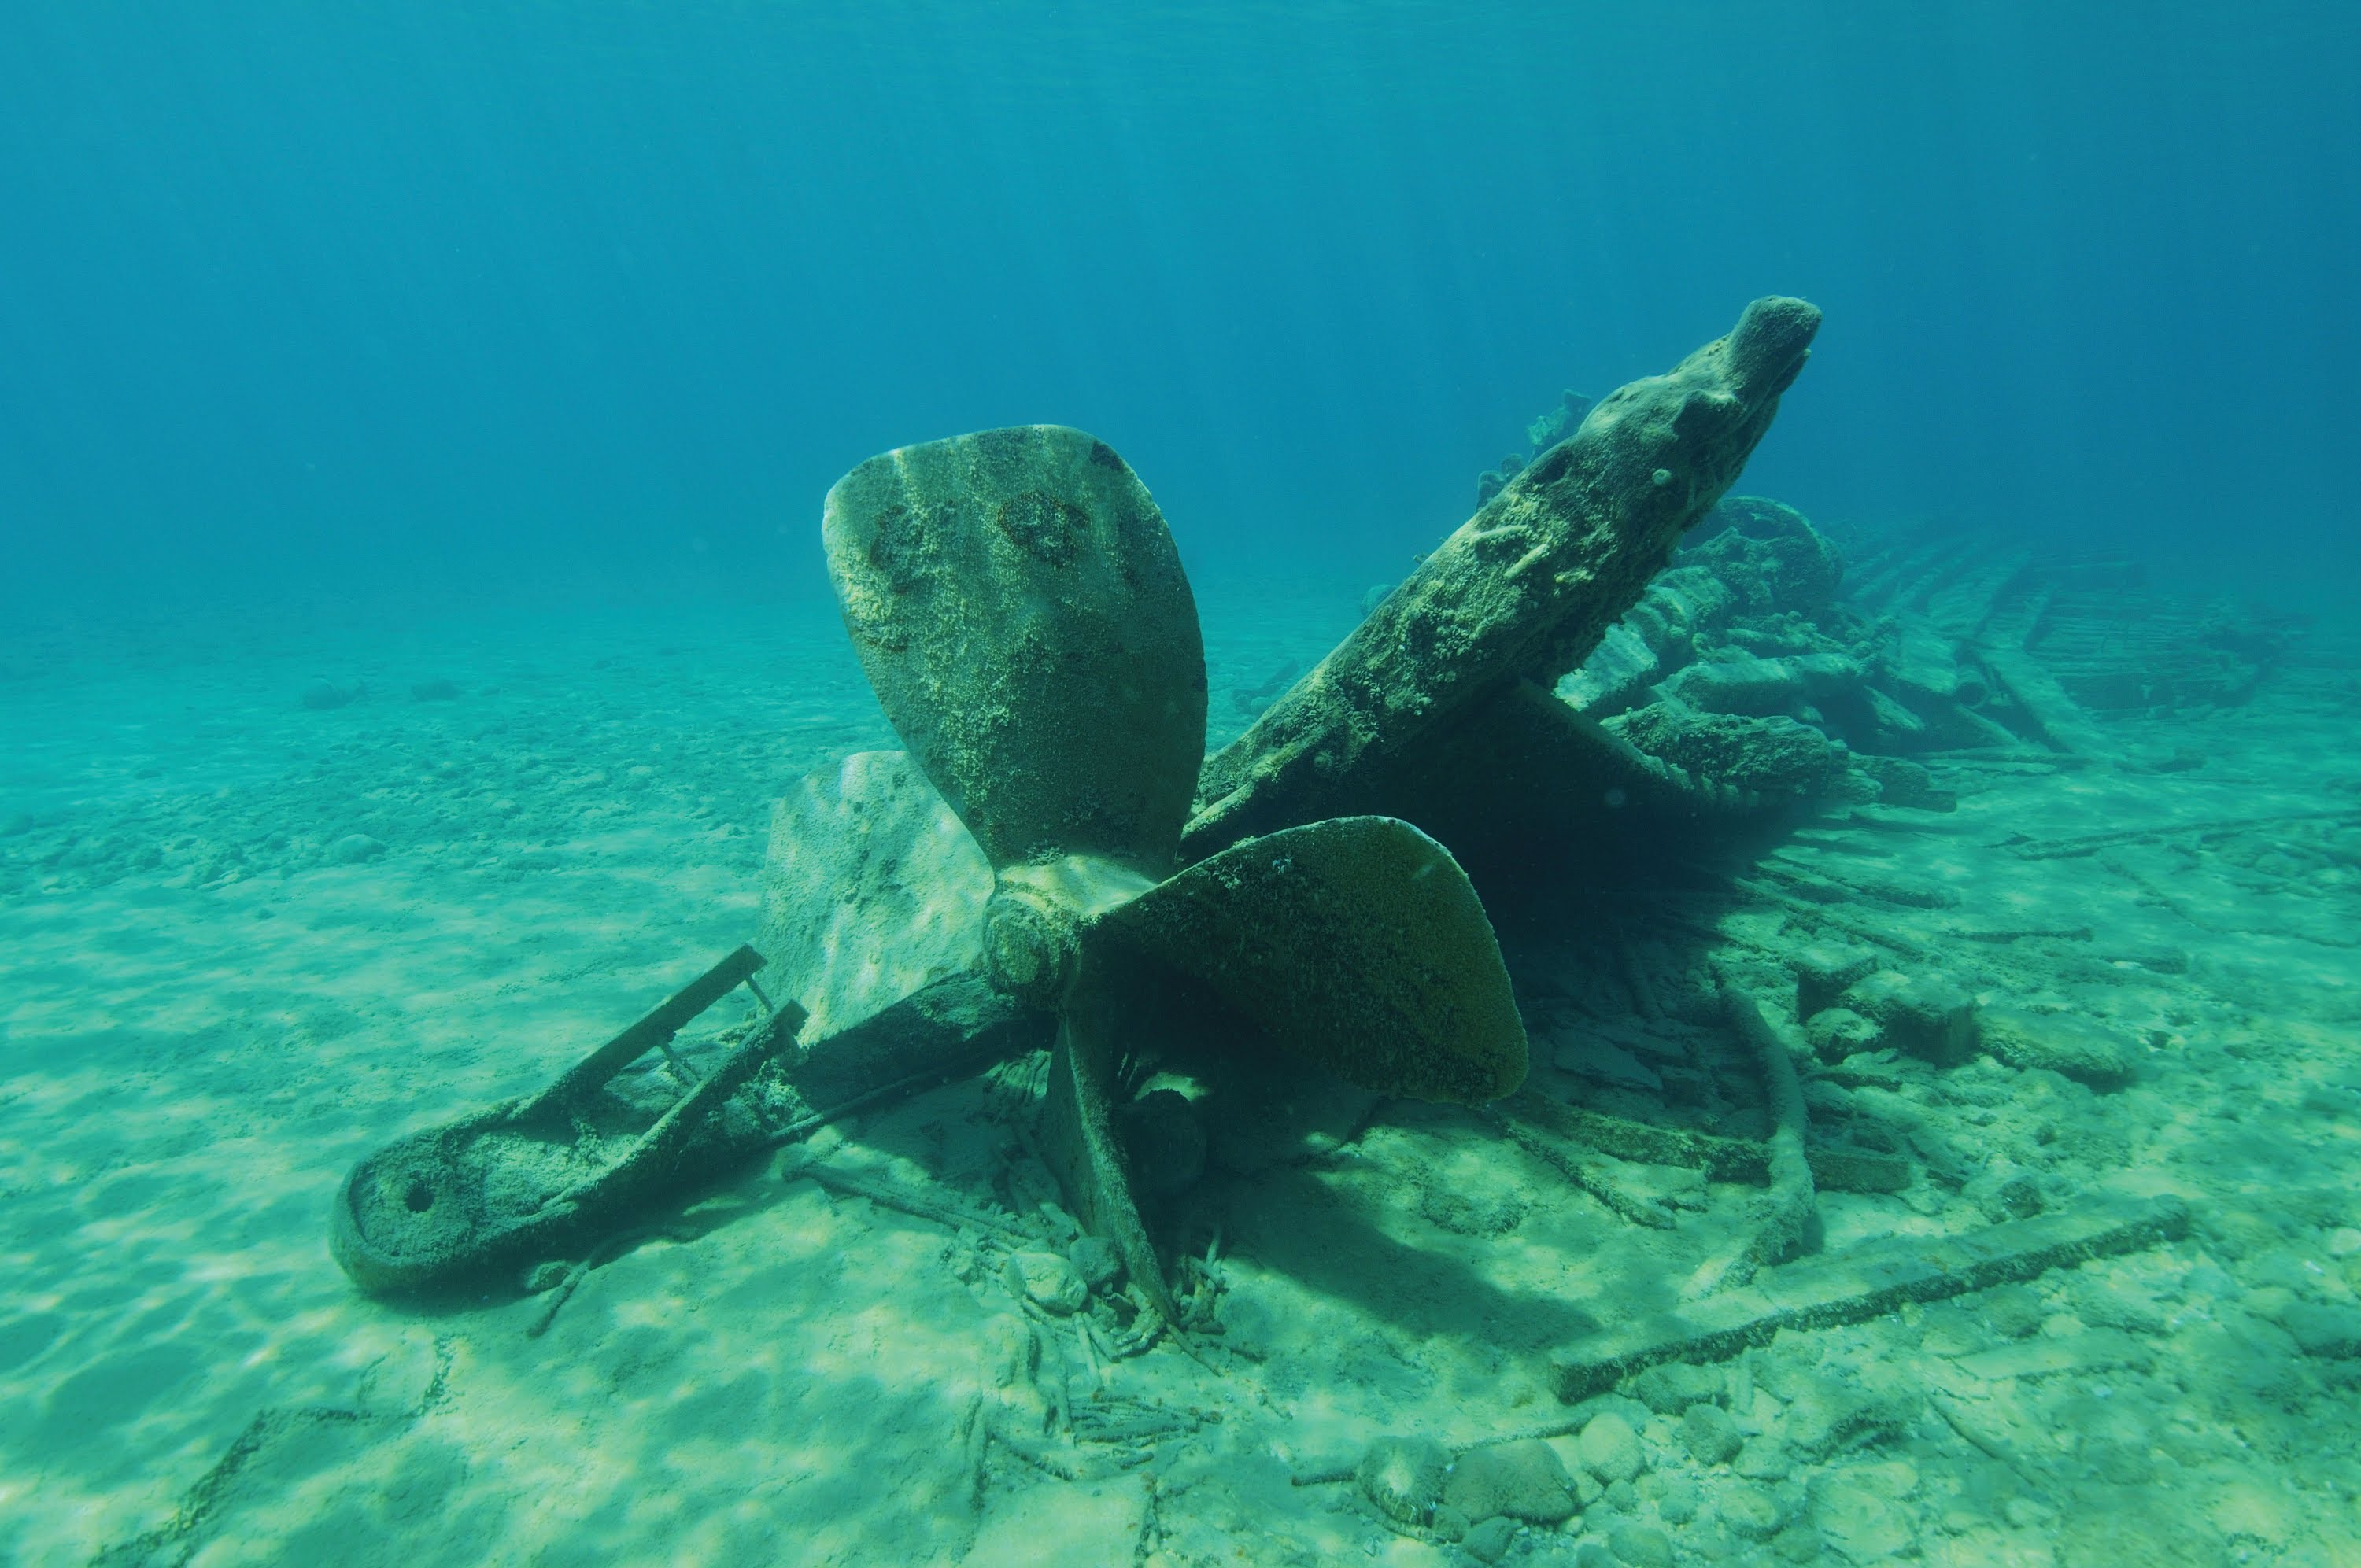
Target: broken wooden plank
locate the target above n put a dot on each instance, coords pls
(1722, 1159)
(1589, 1175)
(2092, 843)
(2054, 718)
(2093, 1350)
(1866, 1282)
(1778, 1221)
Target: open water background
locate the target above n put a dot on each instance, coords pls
(304, 302)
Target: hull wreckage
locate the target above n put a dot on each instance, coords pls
(1055, 862)
(1054, 865)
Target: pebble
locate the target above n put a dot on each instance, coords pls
(1824, 969)
(1761, 1459)
(1640, 1546)
(1049, 1281)
(1490, 1541)
(354, 849)
(1836, 1033)
(2330, 1330)
(2004, 1195)
(322, 694)
(546, 1274)
(1524, 1480)
(1750, 1511)
(1403, 1478)
(1671, 1386)
(2013, 1311)
(1710, 1435)
(1826, 1414)
(1610, 1449)
(1919, 1015)
(2063, 1042)
(1862, 1510)
(1098, 1260)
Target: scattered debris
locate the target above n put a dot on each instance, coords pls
(1866, 1282)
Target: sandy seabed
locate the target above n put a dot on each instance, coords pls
(242, 941)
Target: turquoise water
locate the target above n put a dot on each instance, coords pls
(414, 433)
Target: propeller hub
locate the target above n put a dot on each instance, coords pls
(1029, 945)
(1032, 926)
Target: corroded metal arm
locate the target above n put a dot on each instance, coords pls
(1525, 588)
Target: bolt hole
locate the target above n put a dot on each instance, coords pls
(418, 1198)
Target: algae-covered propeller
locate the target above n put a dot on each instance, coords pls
(1017, 603)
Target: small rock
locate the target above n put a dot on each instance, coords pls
(2004, 1195)
(1836, 1033)
(1750, 1511)
(1466, 1213)
(1784, 1367)
(354, 849)
(1490, 1541)
(1639, 1546)
(2063, 1042)
(1671, 1386)
(1824, 969)
(546, 1274)
(1451, 1524)
(1902, 783)
(1098, 1260)
(1919, 1015)
(1523, 1480)
(2026, 1513)
(1403, 1478)
(2115, 1302)
(1761, 1459)
(1776, 756)
(1947, 1330)
(1827, 1415)
(323, 695)
(2012, 1311)
(1862, 1513)
(1248, 1324)
(1610, 1449)
(2325, 1329)
(1049, 1281)
(1710, 1435)
(435, 691)
(1677, 1504)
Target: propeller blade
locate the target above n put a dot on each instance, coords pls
(1018, 604)
(1357, 942)
(1079, 1140)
